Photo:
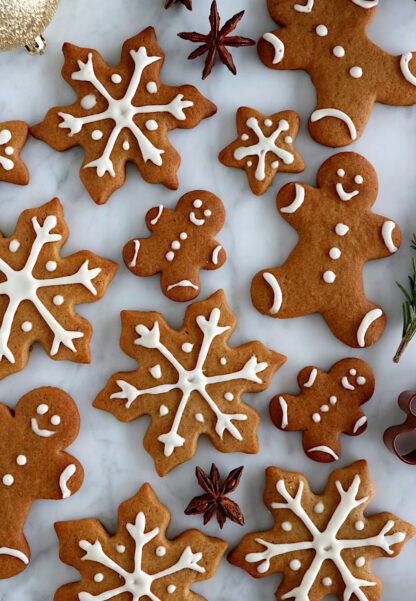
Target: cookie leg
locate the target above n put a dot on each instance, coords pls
(321, 445)
(358, 324)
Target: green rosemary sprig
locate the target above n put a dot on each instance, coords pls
(409, 308)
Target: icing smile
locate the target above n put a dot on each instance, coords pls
(345, 195)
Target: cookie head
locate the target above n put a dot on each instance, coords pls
(350, 177)
(203, 210)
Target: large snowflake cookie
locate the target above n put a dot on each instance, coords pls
(39, 289)
(338, 233)
(264, 147)
(328, 39)
(13, 136)
(329, 404)
(322, 544)
(138, 562)
(182, 243)
(190, 382)
(122, 114)
(33, 465)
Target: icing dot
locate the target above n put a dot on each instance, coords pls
(9, 150)
(199, 417)
(359, 179)
(176, 245)
(26, 326)
(116, 78)
(42, 409)
(51, 265)
(97, 134)
(316, 418)
(288, 139)
(286, 526)
(161, 551)
(335, 253)
(324, 408)
(329, 277)
(268, 122)
(187, 347)
(295, 565)
(8, 480)
(319, 508)
(14, 246)
(244, 137)
(361, 381)
(333, 400)
(223, 361)
(151, 87)
(229, 396)
(275, 164)
(21, 460)
(327, 581)
(340, 172)
(126, 145)
(360, 562)
(58, 300)
(197, 204)
(322, 31)
(170, 255)
(183, 235)
(98, 577)
(207, 213)
(341, 229)
(359, 525)
(55, 420)
(249, 163)
(88, 102)
(120, 548)
(356, 72)
(151, 125)
(353, 372)
(163, 410)
(338, 51)
(171, 589)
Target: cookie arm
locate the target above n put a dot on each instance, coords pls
(62, 476)
(215, 255)
(382, 237)
(293, 202)
(287, 412)
(398, 84)
(277, 50)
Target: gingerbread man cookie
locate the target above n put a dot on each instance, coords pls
(338, 233)
(138, 562)
(182, 243)
(33, 465)
(39, 290)
(328, 405)
(13, 136)
(122, 114)
(327, 38)
(264, 147)
(190, 382)
(322, 544)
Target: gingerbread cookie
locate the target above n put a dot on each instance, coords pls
(182, 243)
(322, 544)
(13, 136)
(264, 147)
(338, 233)
(122, 114)
(138, 561)
(33, 465)
(190, 382)
(328, 405)
(350, 73)
(39, 290)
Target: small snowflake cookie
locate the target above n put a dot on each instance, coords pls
(264, 147)
(138, 562)
(328, 405)
(350, 73)
(182, 243)
(338, 234)
(122, 114)
(13, 136)
(40, 289)
(33, 465)
(322, 544)
(190, 382)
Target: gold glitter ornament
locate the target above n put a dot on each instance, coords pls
(22, 23)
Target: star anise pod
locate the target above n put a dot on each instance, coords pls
(187, 3)
(216, 41)
(215, 499)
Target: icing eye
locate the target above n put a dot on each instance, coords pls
(197, 203)
(359, 179)
(55, 420)
(42, 409)
(340, 172)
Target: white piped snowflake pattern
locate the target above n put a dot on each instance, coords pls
(193, 384)
(314, 577)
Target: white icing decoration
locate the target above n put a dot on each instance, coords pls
(279, 47)
(42, 409)
(340, 172)
(312, 378)
(283, 406)
(14, 246)
(295, 565)
(286, 526)
(297, 203)
(197, 203)
(346, 384)
(268, 122)
(353, 372)
(275, 164)
(151, 87)
(361, 381)
(223, 361)
(183, 235)
(199, 417)
(338, 51)
(5, 136)
(51, 265)
(337, 114)
(387, 233)
(98, 577)
(126, 145)
(288, 139)
(161, 551)
(163, 410)
(26, 326)
(97, 134)
(264, 145)
(356, 72)
(345, 195)
(55, 420)
(14, 553)
(359, 423)
(116, 78)
(9, 150)
(21, 285)
(133, 262)
(359, 179)
(304, 8)
(367, 321)
(360, 562)
(229, 396)
(88, 102)
(341, 229)
(137, 583)
(171, 589)
(359, 525)
(7, 164)
(122, 112)
(329, 277)
(324, 449)
(277, 291)
(333, 400)
(170, 256)
(183, 284)
(58, 300)
(316, 418)
(39, 431)
(66, 475)
(215, 253)
(194, 219)
(335, 253)
(319, 507)
(249, 163)
(156, 219)
(151, 125)
(244, 137)
(327, 581)
(324, 408)
(175, 245)
(404, 66)
(193, 380)
(207, 213)
(21, 460)
(8, 480)
(156, 372)
(120, 548)
(366, 3)
(322, 31)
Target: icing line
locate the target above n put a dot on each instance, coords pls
(278, 297)
(298, 202)
(323, 113)
(367, 321)
(66, 475)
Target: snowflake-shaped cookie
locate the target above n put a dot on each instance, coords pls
(122, 114)
(13, 136)
(38, 290)
(264, 147)
(189, 382)
(328, 39)
(138, 562)
(33, 465)
(182, 243)
(322, 544)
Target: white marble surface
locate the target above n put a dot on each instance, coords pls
(254, 236)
